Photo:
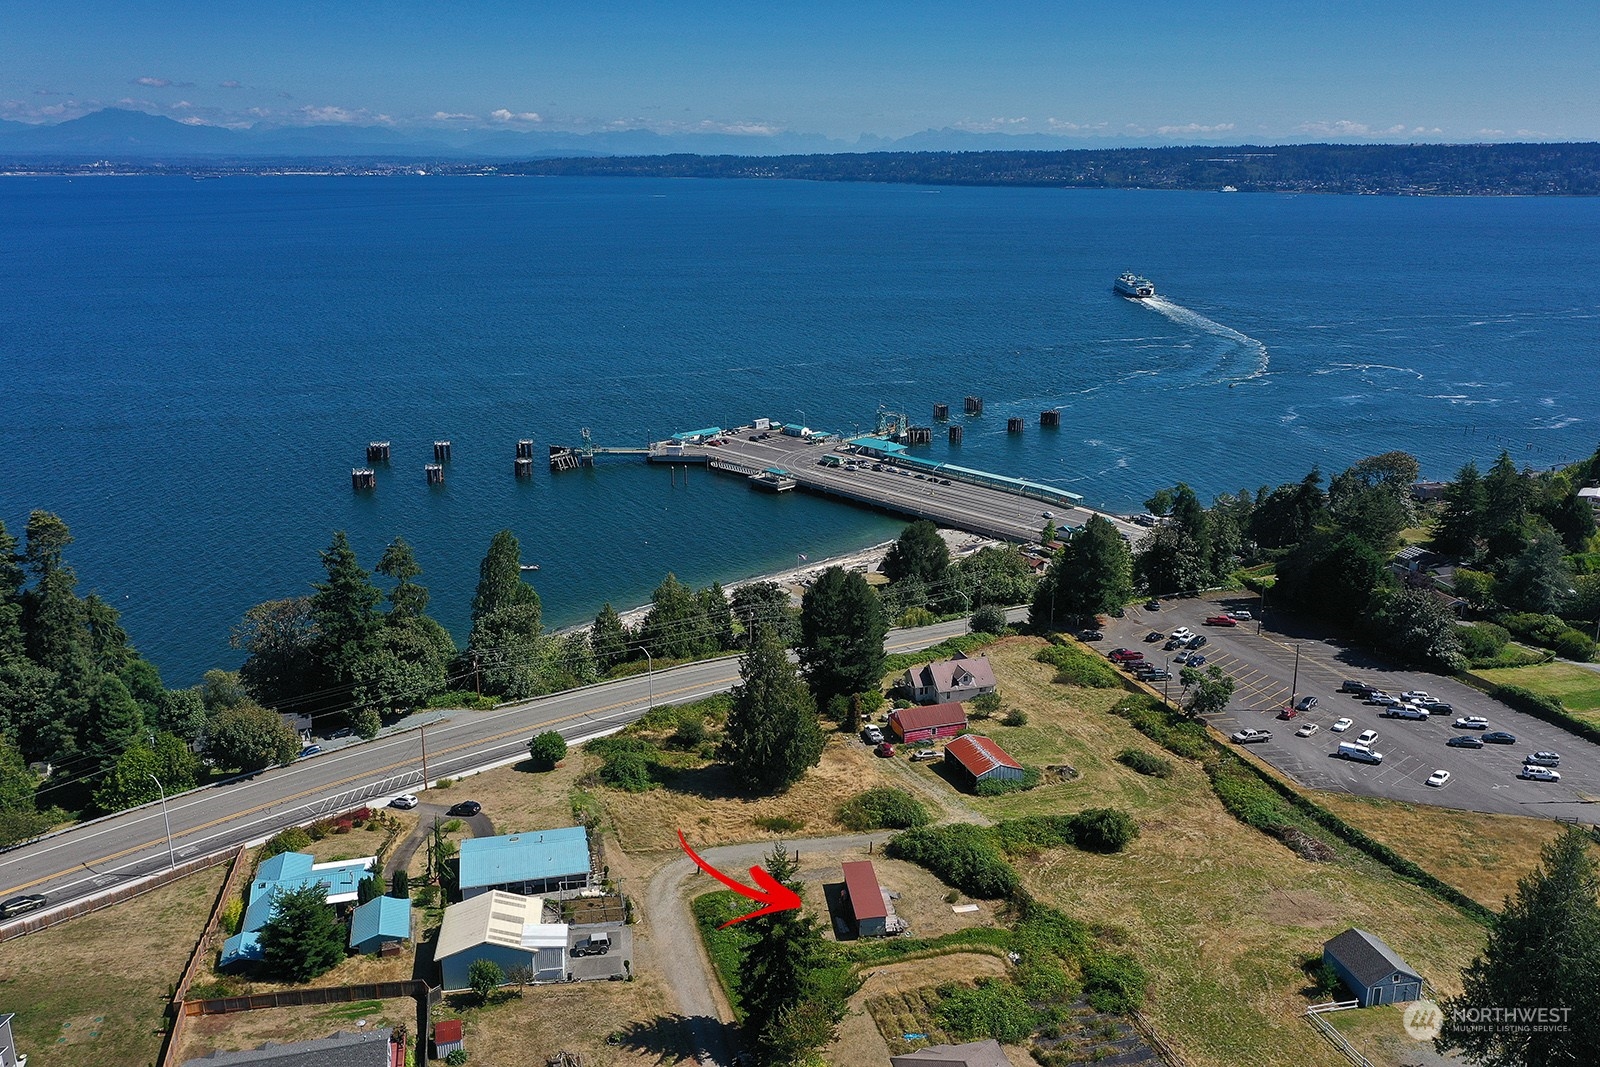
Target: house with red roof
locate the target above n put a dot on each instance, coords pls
(975, 759)
(960, 678)
(927, 723)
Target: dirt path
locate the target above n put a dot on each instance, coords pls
(478, 825)
(676, 943)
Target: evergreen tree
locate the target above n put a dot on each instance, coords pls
(1538, 578)
(1543, 953)
(1092, 573)
(1344, 580)
(1170, 560)
(19, 818)
(407, 662)
(407, 600)
(182, 713)
(1507, 499)
(11, 580)
(303, 939)
(772, 730)
(1420, 628)
(842, 629)
(114, 723)
(1460, 519)
(1288, 514)
(1573, 518)
(919, 552)
(345, 611)
(718, 615)
(993, 575)
(608, 639)
(788, 1010)
(500, 584)
(108, 641)
(675, 626)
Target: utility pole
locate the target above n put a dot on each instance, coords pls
(1294, 686)
(172, 858)
(476, 687)
(1166, 680)
(422, 732)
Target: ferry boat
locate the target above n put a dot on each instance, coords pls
(527, 566)
(1131, 285)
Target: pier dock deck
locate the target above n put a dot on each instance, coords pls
(951, 496)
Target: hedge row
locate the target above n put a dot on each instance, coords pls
(1548, 708)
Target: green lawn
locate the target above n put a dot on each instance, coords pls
(1576, 687)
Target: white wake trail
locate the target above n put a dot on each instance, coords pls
(1196, 321)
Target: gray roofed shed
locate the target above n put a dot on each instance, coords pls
(1374, 972)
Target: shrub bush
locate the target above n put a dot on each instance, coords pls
(992, 1008)
(915, 617)
(1573, 644)
(1167, 727)
(1481, 641)
(983, 706)
(1104, 829)
(883, 809)
(1145, 762)
(1034, 833)
(232, 915)
(1016, 717)
(547, 749)
(989, 620)
(1113, 982)
(779, 824)
(961, 855)
(994, 787)
(1077, 667)
(292, 839)
(627, 770)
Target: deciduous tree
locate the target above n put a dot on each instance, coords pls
(250, 738)
(608, 638)
(547, 749)
(768, 602)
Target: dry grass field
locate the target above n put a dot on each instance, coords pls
(248, 1029)
(70, 1010)
(610, 1024)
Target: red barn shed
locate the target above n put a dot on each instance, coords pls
(926, 723)
(980, 759)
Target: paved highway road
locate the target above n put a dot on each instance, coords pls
(1263, 666)
(110, 852)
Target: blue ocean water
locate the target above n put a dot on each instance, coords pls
(191, 368)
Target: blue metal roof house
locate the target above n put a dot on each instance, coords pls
(540, 862)
(286, 872)
(1371, 969)
(380, 920)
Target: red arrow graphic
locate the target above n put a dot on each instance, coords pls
(773, 893)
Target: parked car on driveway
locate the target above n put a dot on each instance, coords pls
(885, 750)
(1465, 741)
(1499, 737)
(405, 801)
(872, 735)
(466, 807)
(1250, 736)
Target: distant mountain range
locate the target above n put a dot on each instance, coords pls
(122, 135)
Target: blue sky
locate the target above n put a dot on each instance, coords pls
(1227, 71)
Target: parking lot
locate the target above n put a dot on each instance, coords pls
(1260, 655)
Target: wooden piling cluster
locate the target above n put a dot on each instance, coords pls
(441, 452)
(363, 478)
(377, 451)
(974, 405)
(941, 412)
(956, 433)
(919, 435)
(1013, 425)
(1050, 420)
(435, 473)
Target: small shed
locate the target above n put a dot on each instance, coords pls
(926, 723)
(379, 921)
(973, 1054)
(1374, 972)
(960, 678)
(977, 759)
(869, 905)
(447, 1038)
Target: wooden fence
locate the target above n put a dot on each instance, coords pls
(202, 953)
(285, 998)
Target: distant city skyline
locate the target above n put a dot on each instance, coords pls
(1233, 71)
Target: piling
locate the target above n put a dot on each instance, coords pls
(377, 451)
(441, 453)
(941, 412)
(435, 471)
(974, 405)
(1050, 420)
(1013, 426)
(363, 478)
(919, 435)
(524, 466)
(525, 448)
(955, 434)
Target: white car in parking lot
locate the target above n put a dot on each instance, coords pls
(1367, 737)
(1472, 722)
(1540, 774)
(1341, 725)
(1307, 730)
(1415, 695)
(1182, 633)
(1438, 778)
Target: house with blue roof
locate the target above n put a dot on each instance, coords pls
(283, 873)
(531, 864)
(379, 921)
